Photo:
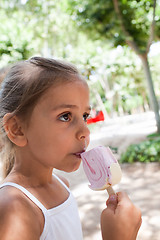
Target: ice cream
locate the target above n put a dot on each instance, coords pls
(101, 168)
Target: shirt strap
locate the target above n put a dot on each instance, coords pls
(27, 193)
(67, 188)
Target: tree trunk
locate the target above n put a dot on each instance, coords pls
(152, 96)
(144, 58)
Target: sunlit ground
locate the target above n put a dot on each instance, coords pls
(123, 131)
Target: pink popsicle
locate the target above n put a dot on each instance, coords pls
(101, 168)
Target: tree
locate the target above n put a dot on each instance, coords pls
(42, 25)
(124, 22)
(17, 41)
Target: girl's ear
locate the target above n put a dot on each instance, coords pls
(14, 130)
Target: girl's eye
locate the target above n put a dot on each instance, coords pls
(65, 117)
(86, 116)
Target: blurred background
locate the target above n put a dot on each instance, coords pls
(116, 46)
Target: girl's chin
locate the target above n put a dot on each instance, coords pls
(70, 165)
(75, 167)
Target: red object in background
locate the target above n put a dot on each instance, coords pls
(99, 117)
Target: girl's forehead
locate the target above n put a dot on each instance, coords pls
(69, 86)
(70, 91)
(64, 97)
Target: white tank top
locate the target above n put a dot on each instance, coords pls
(61, 222)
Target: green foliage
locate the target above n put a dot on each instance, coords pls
(146, 151)
(8, 48)
(95, 17)
(99, 19)
(15, 38)
(118, 78)
(44, 27)
(35, 27)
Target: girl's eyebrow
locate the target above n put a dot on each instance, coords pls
(62, 106)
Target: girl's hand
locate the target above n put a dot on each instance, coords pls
(121, 220)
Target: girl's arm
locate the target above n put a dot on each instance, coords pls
(121, 220)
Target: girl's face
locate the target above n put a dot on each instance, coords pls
(57, 131)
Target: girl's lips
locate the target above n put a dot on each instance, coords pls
(78, 154)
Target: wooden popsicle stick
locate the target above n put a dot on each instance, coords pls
(110, 191)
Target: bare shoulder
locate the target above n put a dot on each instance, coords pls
(17, 216)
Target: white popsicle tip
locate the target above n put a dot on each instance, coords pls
(101, 168)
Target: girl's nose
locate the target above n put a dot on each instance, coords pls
(83, 132)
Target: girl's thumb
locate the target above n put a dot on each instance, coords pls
(112, 202)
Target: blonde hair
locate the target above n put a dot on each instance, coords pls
(22, 87)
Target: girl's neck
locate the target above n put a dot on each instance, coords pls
(29, 172)
(30, 178)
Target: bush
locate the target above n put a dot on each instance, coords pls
(146, 151)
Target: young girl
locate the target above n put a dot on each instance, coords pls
(44, 105)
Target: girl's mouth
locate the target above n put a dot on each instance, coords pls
(79, 154)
